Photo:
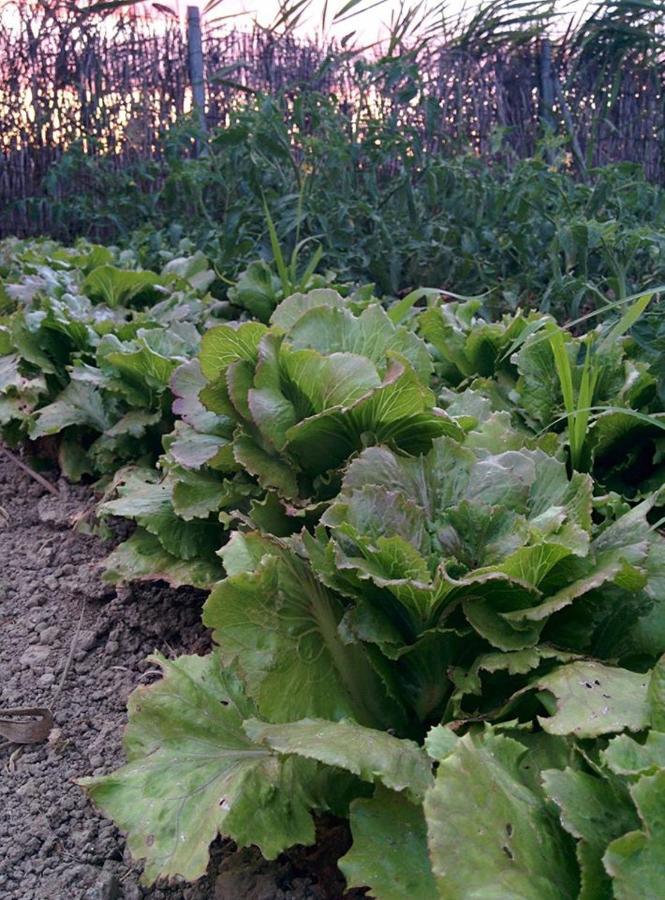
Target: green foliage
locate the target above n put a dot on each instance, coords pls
(601, 391)
(84, 361)
(430, 536)
(446, 629)
(211, 781)
(381, 206)
(319, 384)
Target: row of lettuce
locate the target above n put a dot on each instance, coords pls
(436, 575)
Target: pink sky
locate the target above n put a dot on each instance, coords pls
(367, 24)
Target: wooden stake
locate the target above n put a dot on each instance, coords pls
(196, 73)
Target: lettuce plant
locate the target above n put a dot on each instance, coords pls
(608, 399)
(600, 391)
(466, 346)
(316, 387)
(79, 365)
(267, 417)
(462, 632)
(594, 390)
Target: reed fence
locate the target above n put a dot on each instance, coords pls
(115, 87)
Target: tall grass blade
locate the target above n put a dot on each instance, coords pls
(565, 375)
(400, 310)
(311, 268)
(628, 319)
(282, 268)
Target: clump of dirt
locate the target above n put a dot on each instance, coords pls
(59, 619)
(304, 872)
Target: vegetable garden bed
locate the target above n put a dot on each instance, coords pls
(432, 551)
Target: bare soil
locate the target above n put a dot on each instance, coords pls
(57, 617)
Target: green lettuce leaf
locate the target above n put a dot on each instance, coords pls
(594, 699)
(636, 860)
(143, 558)
(292, 308)
(512, 845)
(141, 369)
(389, 852)
(595, 811)
(120, 287)
(374, 756)
(626, 756)
(656, 695)
(278, 626)
(459, 527)
(465, 344)
(150, 504)
(332, 329)
(314, 390)
(226, 344)
(192, 773)
(195, 270)
(258, 290)
(77, 404)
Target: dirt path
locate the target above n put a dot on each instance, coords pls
(53, 844)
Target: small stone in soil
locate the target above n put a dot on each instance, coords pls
(35, 656)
